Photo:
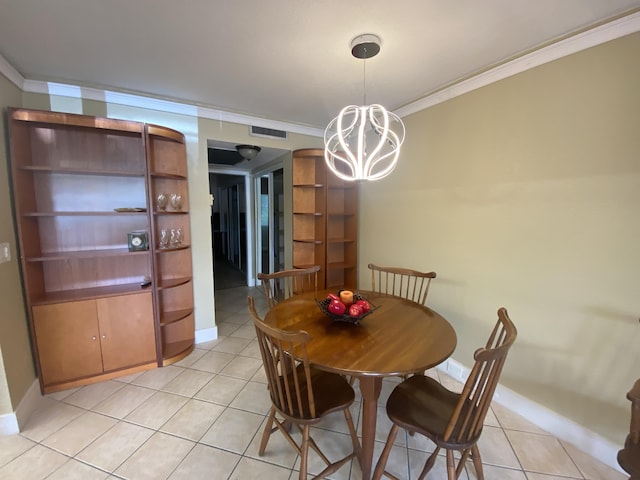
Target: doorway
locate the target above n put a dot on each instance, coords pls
(270, 240)
(228, 230)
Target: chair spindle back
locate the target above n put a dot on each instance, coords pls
(467, 420)
(289, 379)
(401, 282)
(281, 285)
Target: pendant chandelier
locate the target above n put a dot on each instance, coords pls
(363, 142)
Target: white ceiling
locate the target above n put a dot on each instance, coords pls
(284, 60)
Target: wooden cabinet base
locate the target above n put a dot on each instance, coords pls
(97, 378)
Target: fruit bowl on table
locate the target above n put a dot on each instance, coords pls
(344, 317)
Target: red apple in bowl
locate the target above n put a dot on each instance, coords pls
(355, 310)
(366, 306)
(336, 307)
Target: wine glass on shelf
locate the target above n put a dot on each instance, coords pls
(164, 238)
(176, 237)
(161, 201)
(176, 201)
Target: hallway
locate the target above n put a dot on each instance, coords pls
(226, 275)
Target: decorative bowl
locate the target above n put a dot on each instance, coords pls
(324, 303)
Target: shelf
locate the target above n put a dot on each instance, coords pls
(174, 349)
(82, 214)
(81, 171)
(170, 176)
(309, 185)
(172, 249)
(76, 120)
(315, 214)
(173, 282)
(87, 293)
(308, 240)
(170, 212)
(164, 132)
(339, 266)
(168, 318)
(340, 240)
(85, 254)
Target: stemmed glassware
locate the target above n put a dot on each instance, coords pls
(176, 201)
(161, 201)
(164, 238)
(176, 237)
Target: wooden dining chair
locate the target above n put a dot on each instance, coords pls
(286, 283)
(300, 394)
(453, 421)
(401, 282)
(629, 456)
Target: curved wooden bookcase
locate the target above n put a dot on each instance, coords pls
(81, 185)
(167, 160)
(325, 221)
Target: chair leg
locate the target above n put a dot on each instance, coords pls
(382, 461)
(463, 459)
(477, 462)
(304, 453)
(451, 466)
(267, 431)
(357, 448)
(429, 464)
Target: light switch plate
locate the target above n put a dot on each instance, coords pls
(5, 252)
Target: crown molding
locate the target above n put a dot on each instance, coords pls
(582, 41)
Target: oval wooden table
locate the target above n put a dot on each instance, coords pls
(399, 337)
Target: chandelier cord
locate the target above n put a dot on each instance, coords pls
(364, 78)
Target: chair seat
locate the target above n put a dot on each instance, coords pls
(331, 393)
(423, 405)
(629, 459)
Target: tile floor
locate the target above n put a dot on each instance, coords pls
(202, 418)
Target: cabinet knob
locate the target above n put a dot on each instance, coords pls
(104, 336)
(93, 338)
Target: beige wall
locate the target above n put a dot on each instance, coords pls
(526, 194)
(16, 365)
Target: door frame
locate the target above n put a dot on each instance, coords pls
(249, 218)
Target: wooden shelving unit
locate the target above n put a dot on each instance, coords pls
(89, 316)
(166, 156)
(325, 221)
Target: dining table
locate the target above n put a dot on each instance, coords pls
(397, 337)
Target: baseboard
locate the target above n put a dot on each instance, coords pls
(9, 424)
(560, 427)
(206, 335)
(12, 423)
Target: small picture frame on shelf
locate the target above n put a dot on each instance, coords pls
(138, 240)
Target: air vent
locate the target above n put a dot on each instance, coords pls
(267, 132)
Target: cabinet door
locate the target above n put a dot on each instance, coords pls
(127, 331)
(68, 341)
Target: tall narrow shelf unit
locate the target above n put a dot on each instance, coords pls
(325, 221)
(81, 185)
(166, 155)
